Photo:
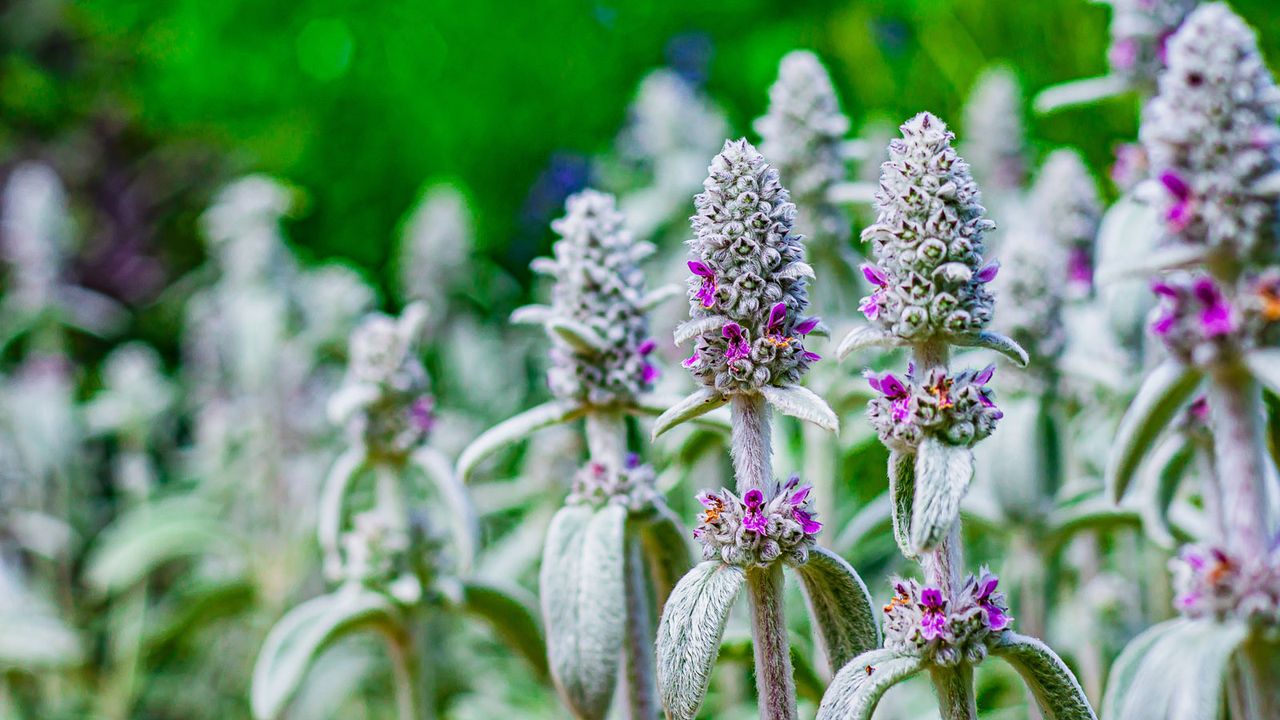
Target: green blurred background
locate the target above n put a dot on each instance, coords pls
(145, 106)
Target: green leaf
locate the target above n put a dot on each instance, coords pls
(689, 635)
(943, 473)
(655, 406)
(666, 546)
(701, 402)
(510, 613)
(531, 315)
(1090, 513)
(514, 430)
(584, 605)
(902, 494)
(150, 536)
(801, 402)
(872, 518)
(460, 510)
(855, 692)
(1163, 392)
(1264, 363)
(863, 337)
(1006, 346)
(844, 618)
(333, 493)
(1055, 688)
(192, 605)
(305, 632)
(578, 336)
(1164, 472)
(1176, 671)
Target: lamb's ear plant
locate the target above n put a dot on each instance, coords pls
(1140, 32)
(747, 302)
(932, 294)
(614, 548)
(390, 568)
(1212, 138)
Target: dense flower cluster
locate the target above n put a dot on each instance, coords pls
(928, 240)
(384, 400)
(955, 408)
(747, 292)
(599, 285)
(1064, 200)
(995, 142)
(1140, 30)
(386, 551)
(803, 135)
(922, 621)
(1213, 583)
(1198, 322)
(1213, 140)
(758, 529)
(630, 486)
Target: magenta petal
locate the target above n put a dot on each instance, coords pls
(756, 523)
(732, 331)
(691, 361)
(811, 356)
(753, 499)
(984, 377)
(806, 326)
(649, 374)
(892, 386)
(777, 314)
(931, 597)
(647, 346)
(807, 523)
(996, 618)
(1174, 183)
(709, 499)
(1163, 325)
(988, 273)
(700, 269)
(801, 495)
(1165, 289)
(874, 275)
(873, 380)
(870, 306)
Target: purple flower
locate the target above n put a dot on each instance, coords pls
(1080, 268)
(933, 622)
(798, 498)
(422, 413)
(754, 499)
(984, 376)
(632, 462)
(811, 356)
(874, 275)
(649, 374)
(738, 346)
(1178, 216)
(756, 523)
(1216, 318)
(806, 326)
(692, 361)
(989, 601)
(707, 291)
(1123, 54)
(647, 347)
(894, 391)
(988, 273)
(807, 523)
(1199, 409)
(870, 305)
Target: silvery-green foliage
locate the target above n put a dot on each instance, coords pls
(331, 299)
(928, 240)
(435, 247)
(943, 473)
(1176, 669)
(384, 401)
(1032, 288)
(135, 394)
(924, 622)
(43, 428)
(37, 235)
(840, 605)
(1056, 691)
(1140, 31)
(690, 632)
(995, 143)
(802, 134)
(747, 292)
(598, 324)
(856, 690)
(1162, 394)
(1212, 138)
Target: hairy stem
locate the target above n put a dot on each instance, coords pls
(405, 673)
(954, 687)
(775, 684)
(751, 449)
(642, 701)
(607, 437)
(1239, 451)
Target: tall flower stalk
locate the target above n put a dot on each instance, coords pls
(931, 294)
(614, 548)
(1212, 139)
(747, 303)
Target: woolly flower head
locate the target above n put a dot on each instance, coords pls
(957, 409)
(760, 527)
(1064, 201)
(630, 486)
(384, 400)
(1199, 322)
(436, 245)
(135, 392)
(1032, 288)
(601, 357)
(996, 140)
(1210, 582)
(35, 233)
(669, 117)
(388, 552)
(1212, 138)
(927, 240)
(1140, 31)
(923, 622)
(747, 292)
(802, 135)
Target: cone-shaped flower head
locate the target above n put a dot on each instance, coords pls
(802, 135)
(601, 357)
(957, 409)
(747, 289)
(1032, 286)
(436, 247)
(1064, 202)
(760, 527)
(385, 399)
(929, 275)
(1212, 137)
(669, 118)
(995, 139)
(1140, 31)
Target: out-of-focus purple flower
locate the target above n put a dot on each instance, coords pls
(649, 374)
(1179, 214)
(806, 326)
(422, 413)
(933, 623)
(738, 348)
(1123, 54)
(647, 346)
(1130, 165)
(707, 291)
(1216, 317)
(1080, 268)
(1198, 410)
